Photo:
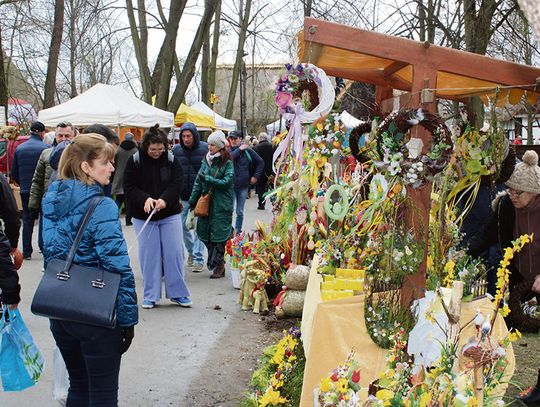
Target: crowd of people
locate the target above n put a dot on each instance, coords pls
(159, 188)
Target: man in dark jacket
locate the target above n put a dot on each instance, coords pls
(127, 148)
(266, 152)
(248, 168)
(22, 171)
(9, 238)
(190, 151)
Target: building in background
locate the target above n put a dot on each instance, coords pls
(260, 106)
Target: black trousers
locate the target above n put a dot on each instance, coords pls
(216, 254)
(92, 357)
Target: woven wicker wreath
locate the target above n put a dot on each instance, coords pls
(395, 127)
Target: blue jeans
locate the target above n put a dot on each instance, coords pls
(240, 195)
(193, 244)
(92, 357)
(28, 226)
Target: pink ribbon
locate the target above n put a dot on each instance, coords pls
(293, 143)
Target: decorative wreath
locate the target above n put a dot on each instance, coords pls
(307, 85)
(393, 152)
(336, 210)
(519, 295)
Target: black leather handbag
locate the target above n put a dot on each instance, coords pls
(70, 292)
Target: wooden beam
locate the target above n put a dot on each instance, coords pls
(374, 76)
(414, 52)
(396, 66)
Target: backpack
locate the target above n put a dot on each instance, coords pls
(137, 157)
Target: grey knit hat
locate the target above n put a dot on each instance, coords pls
(218, 139)
(526, 175)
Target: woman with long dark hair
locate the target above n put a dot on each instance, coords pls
(152, 183)
(216, 174)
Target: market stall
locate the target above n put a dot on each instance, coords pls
(394, 312)
(109, 105)
(220, 121)
(201, 120)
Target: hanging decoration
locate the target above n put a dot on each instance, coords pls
(303, 94)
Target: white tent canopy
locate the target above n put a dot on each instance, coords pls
(220, 121)
(275, 127)
(108, 105)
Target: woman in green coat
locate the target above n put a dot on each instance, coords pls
(216, 173)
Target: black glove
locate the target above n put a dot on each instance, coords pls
(128, 333)
(34, 213)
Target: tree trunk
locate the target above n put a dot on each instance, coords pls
(205, 64)
(214, 51)
(307, 8)
(140, 46)
(167, 53)
(189, 65)
(244, 22)
(72, 47)
(478, 32)
(54, 53)
(3, 79)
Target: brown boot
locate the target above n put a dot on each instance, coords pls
(219, 271)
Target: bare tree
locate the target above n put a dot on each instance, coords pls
(54, 53)
(243, 23)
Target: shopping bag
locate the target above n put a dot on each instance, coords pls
(60, 378)
(191, 220)
(21, 363)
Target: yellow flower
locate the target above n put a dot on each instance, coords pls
(514, 336)
(320, 127)
(425, 399)
(429, 263)
(271, 398)
(342, 385)
(384, 394)
(326, 384)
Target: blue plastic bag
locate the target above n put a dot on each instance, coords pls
(21, 363)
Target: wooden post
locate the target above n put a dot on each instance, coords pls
(479, 385)
(418, 216)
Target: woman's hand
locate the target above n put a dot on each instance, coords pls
(149, 205)
(536, 284)
(160, 204)
(128, 335)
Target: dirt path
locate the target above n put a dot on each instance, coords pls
(227, 371)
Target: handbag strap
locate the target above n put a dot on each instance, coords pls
(215, 174)
(82, 226)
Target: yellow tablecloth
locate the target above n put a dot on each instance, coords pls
(330, 329)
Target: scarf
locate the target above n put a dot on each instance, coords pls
(210, 157)
(528, 221)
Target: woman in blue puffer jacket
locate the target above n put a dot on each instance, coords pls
(92, 354)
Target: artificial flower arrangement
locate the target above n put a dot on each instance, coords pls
(395, 152)
(281, 364)
(298, 82)
(324, 141)
(342, 386)
(462, 267)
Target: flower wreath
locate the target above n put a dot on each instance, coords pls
(309, 85)
(393, 152)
